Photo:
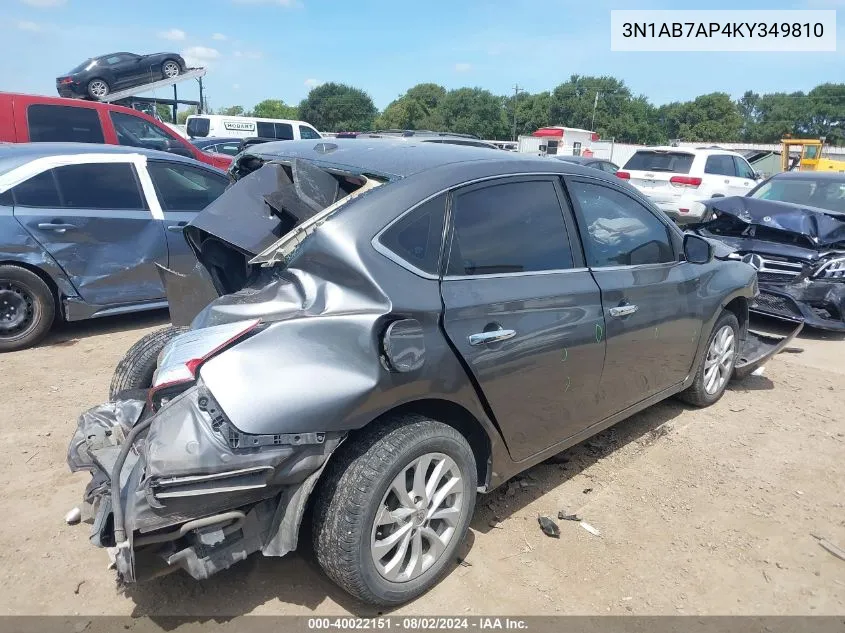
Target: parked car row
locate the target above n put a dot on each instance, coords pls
(380, 334)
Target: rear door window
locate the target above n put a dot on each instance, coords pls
(512, 227)
(283, 131)
(674, 162)
(720, 165)
(38, 191)
(416, 237)
(99, 186)
(51, 123)
(266, 130)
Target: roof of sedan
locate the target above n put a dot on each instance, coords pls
(399, 158)
(14, 154)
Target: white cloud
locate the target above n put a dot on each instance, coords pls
(249, 54)
(44, 4)
(174, 35)
(288, 4)
(312, 83)
(219, 37)
(200, 55)
(462, 67)
(25, 25)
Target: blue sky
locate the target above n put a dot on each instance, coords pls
(257, 49)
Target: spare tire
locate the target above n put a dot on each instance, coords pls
(135, 370)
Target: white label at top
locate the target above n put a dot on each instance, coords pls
(724, 31)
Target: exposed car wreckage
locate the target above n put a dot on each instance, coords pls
(217, 459)
(798, 251)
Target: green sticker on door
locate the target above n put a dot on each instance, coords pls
(599, 333)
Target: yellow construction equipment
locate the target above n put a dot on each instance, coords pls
(811, 155)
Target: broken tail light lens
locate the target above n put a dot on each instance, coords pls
(685, 181)
(182, 357)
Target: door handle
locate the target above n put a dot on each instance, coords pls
(621, 311)
(493, 336)
(176, 228)
(56, 226)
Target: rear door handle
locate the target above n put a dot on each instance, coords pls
(620, 311)
(176, 228)
(56, 226)
(493, 336)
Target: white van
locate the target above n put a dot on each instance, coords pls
(221, 126)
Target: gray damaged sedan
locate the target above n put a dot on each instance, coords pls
(378, 332)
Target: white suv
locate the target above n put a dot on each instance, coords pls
(676, 178)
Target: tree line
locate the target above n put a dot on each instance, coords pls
(603, 104)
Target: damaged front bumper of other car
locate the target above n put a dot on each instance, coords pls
(181, 488)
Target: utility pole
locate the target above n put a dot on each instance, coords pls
(595, 103)
(516, 91)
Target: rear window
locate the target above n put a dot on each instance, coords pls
(198, 126)
(417, 236)
(52, 124)
(675, 162)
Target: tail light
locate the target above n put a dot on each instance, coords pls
(624, 175)
(685, 181)
(65, 80)
(181, 359)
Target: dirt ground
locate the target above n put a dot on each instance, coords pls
(700, 511)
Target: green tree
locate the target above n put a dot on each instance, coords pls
(164, 112)
(232, 111)
(827, 113)
(337, 107)
(414, 110)
(472, 111)
(274, 109)
(183, 114)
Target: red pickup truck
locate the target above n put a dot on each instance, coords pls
(32, 118)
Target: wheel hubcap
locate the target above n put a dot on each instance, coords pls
(171, 69)
(16, 309)
(99, 89)
(719, 363)
(417, 518)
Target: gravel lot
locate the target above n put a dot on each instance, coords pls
(700, 511)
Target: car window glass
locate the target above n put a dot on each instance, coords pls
(417, 236)
(283, 131)
(307, 132)
(619, 230)
(199, 126)
(99, 186)
(185, 188)
(265, 130)
(649, 160)
(136, 132)
(720, 164)
(743, 169)
(6, 199)
(609, 167)
(228, 148)
(38, 191)
(49, 123)
(507, 228)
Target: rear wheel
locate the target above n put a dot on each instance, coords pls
(393, 509)
(170, 69)
(27, 308)
(717, 366)
(98, 88)
(135, 370)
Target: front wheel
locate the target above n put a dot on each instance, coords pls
(170, 69)
(392, 510)
(717, 367)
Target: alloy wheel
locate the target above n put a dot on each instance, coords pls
(417, 517)
(170, 70)
(719, 363)
(98, 88)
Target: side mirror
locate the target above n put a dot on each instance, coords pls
(697, 250)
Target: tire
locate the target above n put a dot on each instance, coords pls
(135, 370)
(698, 394)
(27, 308)
(98, 88)
(354, 490)
(170, 69)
